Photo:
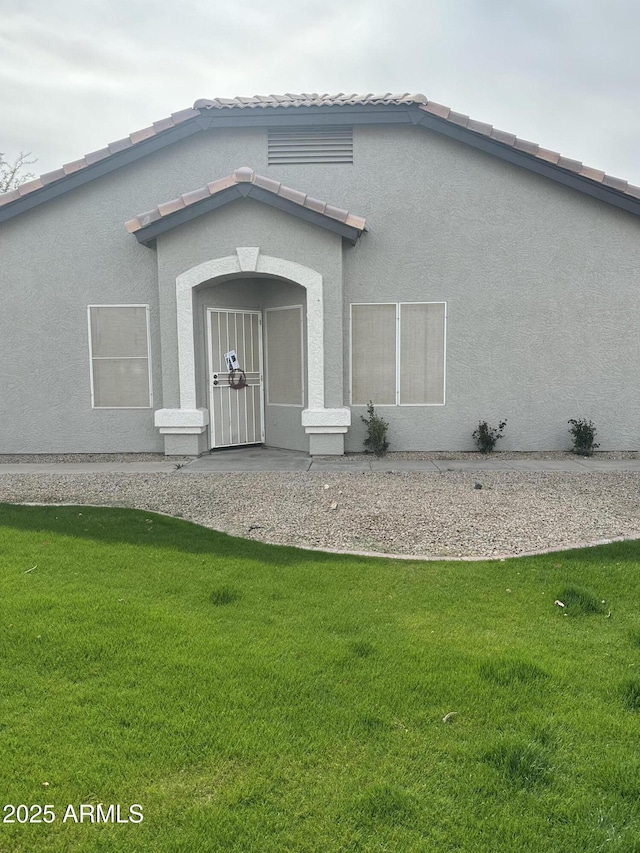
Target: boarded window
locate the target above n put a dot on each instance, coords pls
(310, 145)
(119, 348)
(373, 354)
(406, 368)
(284, 356)
(422, 353)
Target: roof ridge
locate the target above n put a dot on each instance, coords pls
(244, 174)
(291, 100)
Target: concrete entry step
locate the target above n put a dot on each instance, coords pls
(248, 459)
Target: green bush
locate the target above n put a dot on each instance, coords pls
(583, 433)
(486, 436)
(376, 440)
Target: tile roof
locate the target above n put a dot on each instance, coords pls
(96, 156)
(306, 100)
(244, 175)
(325, 100)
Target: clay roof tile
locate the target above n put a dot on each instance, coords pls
(96, 156)
(50, 177)
(480, 127)
(549, 156)
(503, 136)
(195, 196)
(592, 174)
(30, 186)
(141, 135)
(119, 145)
(243, 175)
(5, 198)
(292, 100)
(571, 165)
(168, 207)
(526, 146)
(615, 183)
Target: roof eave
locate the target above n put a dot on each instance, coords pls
(504, 151)
(148, 234)
(99, 169)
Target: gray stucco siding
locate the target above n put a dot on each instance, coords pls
(56, 262)
(540, 283)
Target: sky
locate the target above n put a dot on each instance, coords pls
(78, 74)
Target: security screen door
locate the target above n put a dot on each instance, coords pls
(236, 415)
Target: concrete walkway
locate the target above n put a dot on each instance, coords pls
(254, 459)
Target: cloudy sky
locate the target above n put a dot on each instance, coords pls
(77, 74)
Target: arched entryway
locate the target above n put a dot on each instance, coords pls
(186, 429)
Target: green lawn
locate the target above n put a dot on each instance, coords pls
(254, 698)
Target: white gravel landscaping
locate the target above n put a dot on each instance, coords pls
(408, 513)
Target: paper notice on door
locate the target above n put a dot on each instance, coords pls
(232, 360)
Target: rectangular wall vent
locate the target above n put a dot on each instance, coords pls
(311, 145)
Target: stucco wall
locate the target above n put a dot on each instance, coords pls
(540, 282)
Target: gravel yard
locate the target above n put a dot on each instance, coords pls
(408, 513)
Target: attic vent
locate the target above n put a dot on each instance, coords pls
(311, 145)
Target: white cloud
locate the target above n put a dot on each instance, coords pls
(75, 76)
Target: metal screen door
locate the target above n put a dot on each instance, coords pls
(236, 415)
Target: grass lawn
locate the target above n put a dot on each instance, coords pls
(267, 699)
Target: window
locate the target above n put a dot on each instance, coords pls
(298, 145)
(119, 356)
(398, 353)
(284, 356)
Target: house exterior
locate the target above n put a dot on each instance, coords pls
(330, 250)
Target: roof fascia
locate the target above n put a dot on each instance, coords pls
(147, 235)
(100, 168)
(530, 162)
(294, 116)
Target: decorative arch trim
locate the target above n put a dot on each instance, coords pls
(250, 259)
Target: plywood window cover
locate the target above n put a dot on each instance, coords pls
(398, 307)
(302, 388)
(93, 358)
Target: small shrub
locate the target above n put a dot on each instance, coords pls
(583, 433)
(224, 595)
(486, 436)
(376, 440)
(578, 600)
(630, 693)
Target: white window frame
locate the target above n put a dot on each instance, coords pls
(397, 355)
(98, 358)
(302, 355)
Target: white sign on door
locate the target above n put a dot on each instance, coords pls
(232, 360)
